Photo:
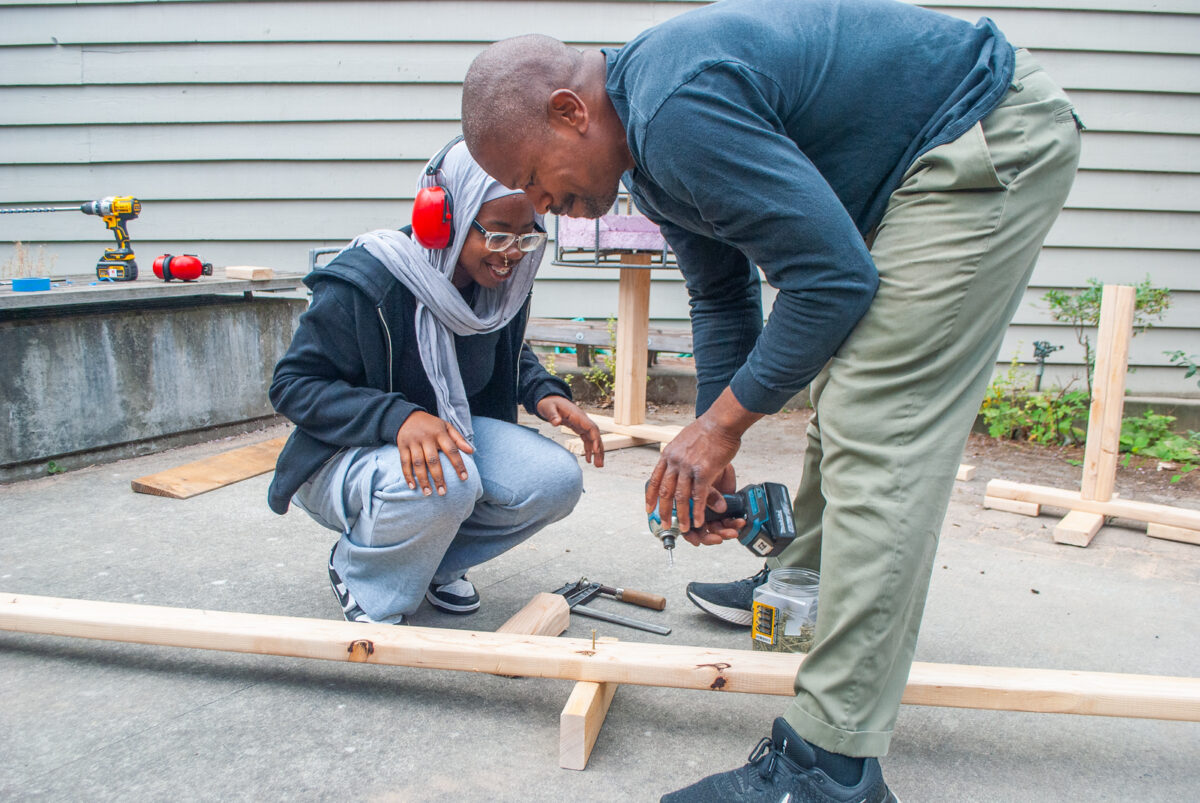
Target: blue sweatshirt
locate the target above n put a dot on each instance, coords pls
(771, 133)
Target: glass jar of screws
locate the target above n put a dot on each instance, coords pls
(784, 615)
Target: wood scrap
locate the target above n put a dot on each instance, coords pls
(186, 481)
(251, 272)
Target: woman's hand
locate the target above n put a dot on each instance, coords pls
(420, 439)
(561, 411)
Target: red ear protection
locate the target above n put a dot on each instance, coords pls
(433, 217)
(433, 208)
(187, 267)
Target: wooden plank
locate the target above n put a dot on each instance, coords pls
(1173, 533)
(633, 320)
(1108, 393)
(1071, 500)
(580, 721)
(654, 432)
(213, 472)
(1078, 528)
(1012, 506)
(702, 668)
(612, 442)
(254, 274)
(545, 615)
(965, 473)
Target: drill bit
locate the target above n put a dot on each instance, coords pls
(40, 209)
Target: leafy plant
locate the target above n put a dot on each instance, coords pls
(1011, 411)
(1150, 435)
(1185, 361)
(603, 372)
(1082, 311)
(53, 468)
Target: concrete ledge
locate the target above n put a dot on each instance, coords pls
(111, 380)
(15, 472)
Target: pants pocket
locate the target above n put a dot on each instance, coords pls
(964, 164)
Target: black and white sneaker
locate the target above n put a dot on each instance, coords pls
(729, 602)
(786, 768)
(457, 596)
(350, 608)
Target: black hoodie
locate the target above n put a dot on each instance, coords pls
(353, 374)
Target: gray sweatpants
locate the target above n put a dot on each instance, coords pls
(894, 406)
(395, 540)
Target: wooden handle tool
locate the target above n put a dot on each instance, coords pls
(643, 598)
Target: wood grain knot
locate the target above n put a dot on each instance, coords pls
(360, 650)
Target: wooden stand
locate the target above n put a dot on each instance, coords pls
(1095, 500)
(630, 371)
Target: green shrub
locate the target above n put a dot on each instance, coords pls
(1150, 435)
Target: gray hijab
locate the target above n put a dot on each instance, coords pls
(442, 312)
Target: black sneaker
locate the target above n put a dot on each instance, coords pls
(781, 770)
(350, 608)
(457, 596)
(729, 602)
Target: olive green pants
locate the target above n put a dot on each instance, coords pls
(894, 406)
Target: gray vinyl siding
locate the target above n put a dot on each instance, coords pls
(254, 131)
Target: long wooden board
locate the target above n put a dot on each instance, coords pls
(1148, 512)
(213, 472)
(647, 664)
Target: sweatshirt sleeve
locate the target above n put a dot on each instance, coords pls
(717, 146)
(319, 382)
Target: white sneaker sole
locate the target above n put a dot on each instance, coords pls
(736, 616)
(448, 607)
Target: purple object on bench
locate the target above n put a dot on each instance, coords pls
(617, 232)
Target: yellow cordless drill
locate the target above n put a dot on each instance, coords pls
(117, 264)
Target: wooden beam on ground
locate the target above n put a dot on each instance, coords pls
(1078, 528)
(612, 442)
(545, 615)
(580, 722)
(1071, 500)
(705, 668)
(653, 432)
(965, 473)
(213, 472)
(1173, 533)
(1012, 505)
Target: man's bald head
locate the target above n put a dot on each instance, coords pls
(507, 87)
(536, 115)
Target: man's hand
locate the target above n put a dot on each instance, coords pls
(561, 411)
(420, 439)
(718, 531)
(695, 459)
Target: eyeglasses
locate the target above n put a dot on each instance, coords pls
(503, 240)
